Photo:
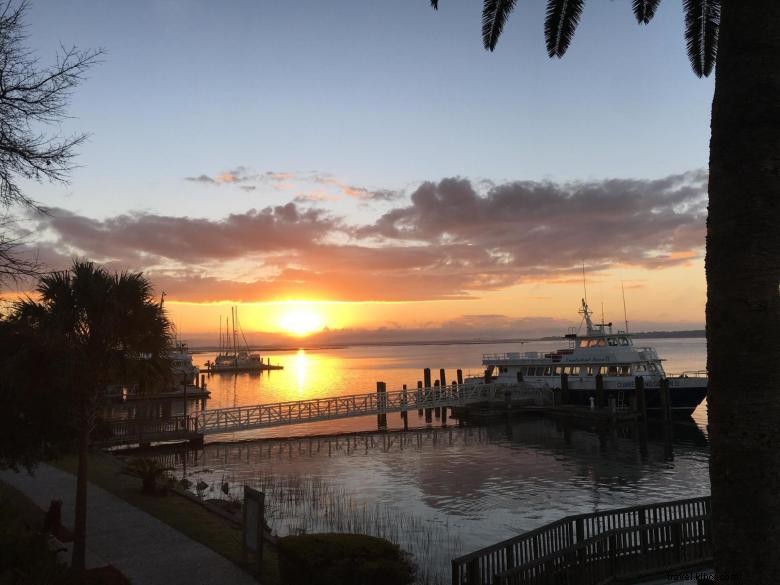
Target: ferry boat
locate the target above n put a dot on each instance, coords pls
(614, 356)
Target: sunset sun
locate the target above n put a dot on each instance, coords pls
(301, 321)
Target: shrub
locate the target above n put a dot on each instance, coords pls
(150, 471)
(342, 559)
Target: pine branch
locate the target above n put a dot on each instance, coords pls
(561, 21)
(702, 21)
(494, 16)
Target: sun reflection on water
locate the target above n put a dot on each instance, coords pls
(301, 365)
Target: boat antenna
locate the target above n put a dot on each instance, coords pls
(584, 287)
(625, 314)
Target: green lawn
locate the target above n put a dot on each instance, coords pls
(184, 515)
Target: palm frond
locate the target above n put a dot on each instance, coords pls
(644, 10)
(435, 4)
(561, 21)
(494, 15)
(702, 22)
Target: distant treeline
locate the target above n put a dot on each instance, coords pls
(402, 343)
(653, 334)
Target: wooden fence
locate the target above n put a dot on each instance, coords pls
(589, 549)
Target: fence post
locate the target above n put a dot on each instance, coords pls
(580, 530)
(677, 540)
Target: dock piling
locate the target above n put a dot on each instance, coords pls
(601, 400)
(381, 401)
(666, 403)
(639, 381)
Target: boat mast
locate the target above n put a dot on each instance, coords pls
(625, 314)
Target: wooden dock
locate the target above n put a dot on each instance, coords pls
(597, 548)
(262, 416)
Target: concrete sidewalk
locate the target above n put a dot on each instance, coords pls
(145, 550)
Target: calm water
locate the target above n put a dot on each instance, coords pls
(439, 491)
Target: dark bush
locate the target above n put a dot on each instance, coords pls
(342, 559)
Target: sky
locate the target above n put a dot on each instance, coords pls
(369, 169)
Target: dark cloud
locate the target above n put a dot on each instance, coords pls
(450, 241)
(201, 179)
(144, 236)
(527, 225)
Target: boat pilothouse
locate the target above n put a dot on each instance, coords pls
(613, 356)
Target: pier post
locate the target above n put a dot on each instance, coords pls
(460, 377)
(381, 402)
(405, 412)
(427, 390)
(666, 402)
(565, 388)
(601, 401)
(419, 397)
(203, 381)
(436, 396)
(442, 378)
(444, 416)
(639, 382)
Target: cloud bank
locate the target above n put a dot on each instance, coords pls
(447, 239)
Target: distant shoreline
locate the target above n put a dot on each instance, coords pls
(689, 334)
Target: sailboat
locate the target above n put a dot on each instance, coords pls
(233, 357)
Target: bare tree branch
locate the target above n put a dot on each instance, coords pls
(33, 99)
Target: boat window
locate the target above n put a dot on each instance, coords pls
(640, 368)
(624, 341)
(583, 343)
(612, 371)
(594, 370)
(557, 370)
(624, 370)
(503, 370)
(612, 341)
(598, 343)
(548, 371)
(540, 371)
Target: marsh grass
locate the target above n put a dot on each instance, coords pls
(306, 505)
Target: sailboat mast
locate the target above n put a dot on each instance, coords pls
(235, 340)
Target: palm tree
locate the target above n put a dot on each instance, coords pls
(105, 328)
(742, 259)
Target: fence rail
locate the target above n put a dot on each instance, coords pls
(635, 539)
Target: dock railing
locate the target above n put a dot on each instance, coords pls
(623, 541)
(259, 416)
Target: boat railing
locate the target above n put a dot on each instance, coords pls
(688, 374)
(511, 356)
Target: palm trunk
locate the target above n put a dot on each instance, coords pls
(743, 300)
(78, 561)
